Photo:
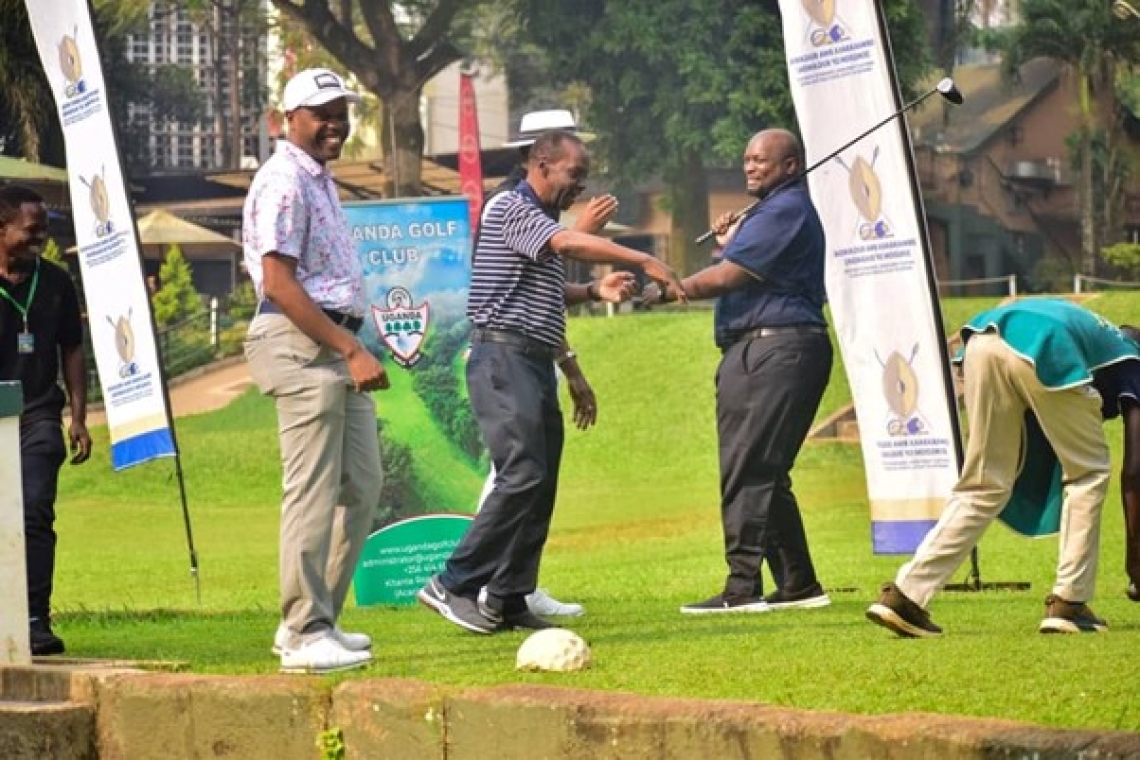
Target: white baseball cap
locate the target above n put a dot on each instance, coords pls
(315, 87)
(535, 123)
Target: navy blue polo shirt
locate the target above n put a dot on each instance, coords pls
(517, 280)
(781, 243)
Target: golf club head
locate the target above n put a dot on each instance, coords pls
(948, 90)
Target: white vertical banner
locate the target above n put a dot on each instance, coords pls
(879, 279)
(118, 310)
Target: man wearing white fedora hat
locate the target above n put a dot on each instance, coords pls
(617, 286)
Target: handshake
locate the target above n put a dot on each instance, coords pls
(653, 294)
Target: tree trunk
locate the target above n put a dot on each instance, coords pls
(403, 141)
(1089, 252)
(234, 36)
(688, 198)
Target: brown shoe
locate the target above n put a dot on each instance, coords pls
(1069, 617)
(896, 611)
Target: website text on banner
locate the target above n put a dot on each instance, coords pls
(118, 310)
(879, 279)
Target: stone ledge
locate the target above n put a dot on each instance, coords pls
(133, 714)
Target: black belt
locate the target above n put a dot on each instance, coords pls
(770, 332)
(347, 321)
(528, 344)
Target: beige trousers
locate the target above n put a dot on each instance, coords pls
(1000, 387)
(330, 459)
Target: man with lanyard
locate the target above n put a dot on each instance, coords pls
(775, 366)
(615, 287)
(517, 309)
(41, 330)
(1070, 370)
(303, 352)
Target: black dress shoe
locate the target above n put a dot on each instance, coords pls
(43, 639)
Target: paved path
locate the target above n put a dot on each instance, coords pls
(203, 390)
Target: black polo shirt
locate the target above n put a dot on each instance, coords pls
(55, 323)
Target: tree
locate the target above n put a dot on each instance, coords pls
(176, 299)
(29, 126)
(1085, 38)
(393, 49)
(675, 87)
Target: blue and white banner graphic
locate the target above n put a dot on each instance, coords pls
(118, 309)
(879, 280)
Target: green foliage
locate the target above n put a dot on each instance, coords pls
(242, 302)
(399, 496)
(331, 744)
(1125, 257)
(176, 298)
(52, 252)
(436, 382)
(668, 77)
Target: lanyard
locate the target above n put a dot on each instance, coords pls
(27, 306)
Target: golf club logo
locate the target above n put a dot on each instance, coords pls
(402, 326)
(100, 203)
(825, 28)
(71, 64)
(901, 390)
(124, 344)
(867, 194)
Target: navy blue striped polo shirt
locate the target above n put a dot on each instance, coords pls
(517, 280)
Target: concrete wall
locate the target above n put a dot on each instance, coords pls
(172, 716)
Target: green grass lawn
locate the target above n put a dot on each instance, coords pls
(636, 534)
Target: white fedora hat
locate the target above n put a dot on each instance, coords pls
(535, 123)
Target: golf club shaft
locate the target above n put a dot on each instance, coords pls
(796, 177)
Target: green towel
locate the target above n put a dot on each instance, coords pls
(1034, 508)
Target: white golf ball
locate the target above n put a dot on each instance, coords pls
(553, 649)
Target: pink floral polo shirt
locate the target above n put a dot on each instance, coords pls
(292, 209)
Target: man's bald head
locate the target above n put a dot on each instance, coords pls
(772, 158)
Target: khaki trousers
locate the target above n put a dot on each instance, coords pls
(1000, 387)
(330, 459)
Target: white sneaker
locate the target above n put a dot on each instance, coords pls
(353, 642)
(542, 603)
(325, 655)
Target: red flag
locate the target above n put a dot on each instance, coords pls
(470, 163)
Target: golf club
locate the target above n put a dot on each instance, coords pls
(1123, 10)
(946, 88)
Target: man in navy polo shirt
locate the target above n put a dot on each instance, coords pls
(517, 306)
(776, 363)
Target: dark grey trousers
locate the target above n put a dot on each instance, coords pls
(514, 394)
(767, 393)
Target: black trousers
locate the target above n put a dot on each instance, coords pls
(514, 394)
(42, 452)
(767, 393)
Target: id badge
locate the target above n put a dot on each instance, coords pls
(25, 343)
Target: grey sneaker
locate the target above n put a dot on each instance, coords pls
(1069, 617)
(465, 613)
(722, 603)
(896, 611)
(809, 598)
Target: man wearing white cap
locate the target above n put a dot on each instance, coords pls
(303, 352)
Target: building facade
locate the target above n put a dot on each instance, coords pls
(224, 50)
